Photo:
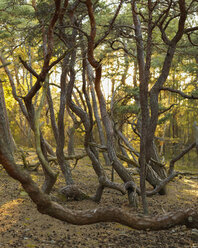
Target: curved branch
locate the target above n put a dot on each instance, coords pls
(121, 47)
(14, 92)
(180, 93)
(167, 109)
(172, 162)
(47, 57)
(188, 30)
(28, 67)
(111, 24)
(190, 40)
(182, 19)
(131, 185)
(188, 217)
(74, 27)
(161, 21)
(58, 59)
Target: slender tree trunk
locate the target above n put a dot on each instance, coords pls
(64, 165)
(11, 139)
(90, 77)
(122, 172)
(70, 146)
(143, 103)
(50, 176)
(71, 132)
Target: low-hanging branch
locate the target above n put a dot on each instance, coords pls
(124, 158)
(129, 184)
(101, 149)
(180, 93)
(69, 157)
(191, 41)
(187, 173)
(174, 160)
(120, 156)
(188, 217)
(167, 109)
(134, 187)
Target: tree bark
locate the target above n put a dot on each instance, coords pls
(64, 165)
(188, 217)
(12, 143)
(122, 172)
(150, 118)
(90, 77)
(143, 102)
(87, 121)
(71, 132)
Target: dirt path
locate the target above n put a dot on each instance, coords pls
(21, 225)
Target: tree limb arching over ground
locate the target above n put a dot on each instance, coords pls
(67, 23)
(188, 217)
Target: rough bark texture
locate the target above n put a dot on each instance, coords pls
(122, 172)
(187, 217)
(149, 120)
(143, 104)
(90, 77)
(64, 165)
(74, 193)
(71, 133)
(70, 146)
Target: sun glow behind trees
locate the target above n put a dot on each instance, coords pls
(121, 52)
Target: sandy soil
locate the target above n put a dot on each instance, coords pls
(21, 225)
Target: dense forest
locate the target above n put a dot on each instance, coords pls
(111, 82)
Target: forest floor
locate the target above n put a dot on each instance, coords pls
(21, 225)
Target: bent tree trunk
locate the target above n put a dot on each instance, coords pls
(117, 165)
(50, 176)
(64, 164)
(70, 146)
(29, 113)
(87, 120)
(150, 102)
(58, 132)
(188, 217)
(157, 172)
(71, 133)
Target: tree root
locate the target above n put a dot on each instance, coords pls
(72, 192)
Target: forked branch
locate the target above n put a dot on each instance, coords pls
(188, 217)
